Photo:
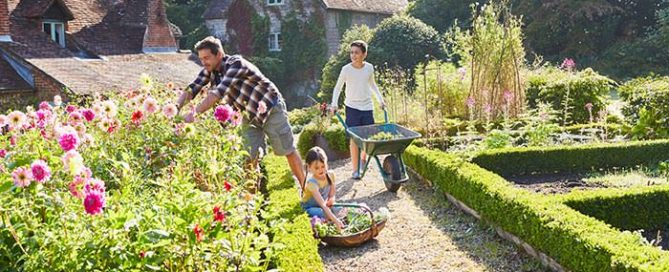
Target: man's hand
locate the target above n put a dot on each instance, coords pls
(383, 105)
(333, 108)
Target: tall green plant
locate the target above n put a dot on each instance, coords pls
(493, 51)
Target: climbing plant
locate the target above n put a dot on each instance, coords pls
(304, 48)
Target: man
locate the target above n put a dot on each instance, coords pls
(245, 88)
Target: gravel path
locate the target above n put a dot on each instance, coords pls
(425, 232)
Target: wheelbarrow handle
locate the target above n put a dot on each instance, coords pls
(341, 120)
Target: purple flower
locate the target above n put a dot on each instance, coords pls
(3, 153)
(70, 108)
(223, 113)
(68, 141)
(568, 64)
(40, 171)
(471, 102)
(508, 96)
(94, 201)
(88, 114)
(94, 196)
(487, 109)
(44, 106)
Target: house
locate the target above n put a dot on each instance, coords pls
(87, 47)
(339, 15)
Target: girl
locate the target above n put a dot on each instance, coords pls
(360, 85)
(319, 191)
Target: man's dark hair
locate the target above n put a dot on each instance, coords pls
(360, 44)
(211, 43)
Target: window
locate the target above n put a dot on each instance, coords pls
(56, 30)
(274, 2)
(275, 42)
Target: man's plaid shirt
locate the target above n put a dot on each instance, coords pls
(242, 85)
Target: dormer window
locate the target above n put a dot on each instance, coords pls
(274, 2)
(55, 30)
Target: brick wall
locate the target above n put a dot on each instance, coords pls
(4, 18)
(158, 36)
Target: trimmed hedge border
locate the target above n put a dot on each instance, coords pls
(545, 160)
(576, 241)
(627, 209)
(300, 251)
(334, 134)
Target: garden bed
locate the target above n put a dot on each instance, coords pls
(570, 229)
(565, 183)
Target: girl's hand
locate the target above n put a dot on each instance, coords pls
(330, 202)
(339, 225)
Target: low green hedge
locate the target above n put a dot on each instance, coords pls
(576, 241)
(334, 134)
(542, 160)
(627, 209)
(300, 251)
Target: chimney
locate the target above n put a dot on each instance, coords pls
(158, 36)
(4, 22)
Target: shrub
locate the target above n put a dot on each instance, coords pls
(404, 41)
(647, 106)
(554, 86)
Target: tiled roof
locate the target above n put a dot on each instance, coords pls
(113, 29)
(10, 80)
(119, 72)
(371, 6)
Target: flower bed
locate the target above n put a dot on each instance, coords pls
(121, 184)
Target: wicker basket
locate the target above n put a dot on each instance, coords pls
(359, 238)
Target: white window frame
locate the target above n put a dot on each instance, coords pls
(275, 42)
(275, 2)
(54, 28)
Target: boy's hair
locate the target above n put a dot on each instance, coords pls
(317, 154)
(211, 43)
(360, 44)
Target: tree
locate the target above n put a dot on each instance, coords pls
(403, 41)
(441, 14)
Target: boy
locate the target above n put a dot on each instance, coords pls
(360, 84)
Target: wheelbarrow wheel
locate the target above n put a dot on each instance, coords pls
(391, 165)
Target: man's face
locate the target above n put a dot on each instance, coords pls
(209, 60)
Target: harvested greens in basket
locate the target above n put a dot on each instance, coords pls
(355, 220)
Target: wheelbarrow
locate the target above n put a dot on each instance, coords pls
(392, 170)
